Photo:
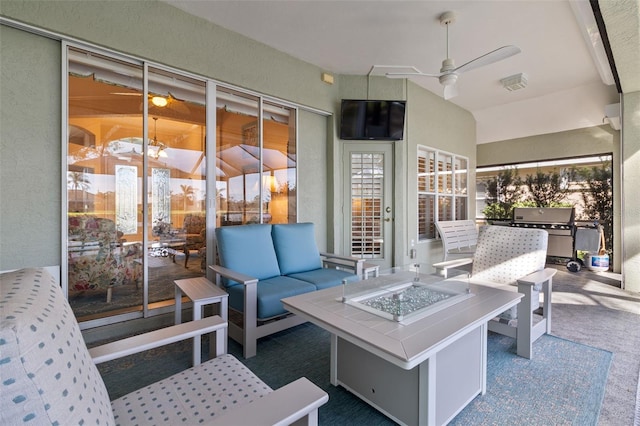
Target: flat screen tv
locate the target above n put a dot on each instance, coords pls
(372, 120)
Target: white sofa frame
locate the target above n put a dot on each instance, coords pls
(252, 329)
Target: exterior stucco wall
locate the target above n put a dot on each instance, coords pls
(164, 34)
(444, 126)
(30, 178)
(31, 113)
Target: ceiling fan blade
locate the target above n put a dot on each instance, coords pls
(411, 74)
(499, 54)
(450, 91)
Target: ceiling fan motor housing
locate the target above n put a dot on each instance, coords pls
(448, 77)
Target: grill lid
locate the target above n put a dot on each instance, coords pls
(544, 215)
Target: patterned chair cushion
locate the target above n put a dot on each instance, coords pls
(195, 230)
(98, 256)
(194, 224)
(504, 254)
(179, 399)
(47, 374)
(88, 228)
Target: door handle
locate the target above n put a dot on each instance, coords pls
(387, 219)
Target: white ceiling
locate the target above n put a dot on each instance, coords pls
(565, 90)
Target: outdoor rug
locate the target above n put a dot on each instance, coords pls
(562, 385)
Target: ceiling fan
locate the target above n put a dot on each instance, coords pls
(448, 75)
(158, 102)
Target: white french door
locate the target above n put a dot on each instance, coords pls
(368, 202)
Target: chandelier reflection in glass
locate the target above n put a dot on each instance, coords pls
(156, 149)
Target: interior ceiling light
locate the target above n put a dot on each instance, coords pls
(159, 101)
(156, 149)
(514, 82)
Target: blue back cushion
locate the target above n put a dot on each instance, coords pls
(296, 249)
(248, 249)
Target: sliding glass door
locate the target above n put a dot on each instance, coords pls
(105, 158)
(136, 199)
(176, 182)
(136, 179)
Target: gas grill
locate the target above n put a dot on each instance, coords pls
(559, 222)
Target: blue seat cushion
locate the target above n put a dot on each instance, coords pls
(325, 277)
(270, 292)
(247, 249)
(295, 246)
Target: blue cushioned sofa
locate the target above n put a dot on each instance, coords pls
(261, 264)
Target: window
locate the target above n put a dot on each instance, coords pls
(442, 189)
(255, 160)
(574, 176)
(367, 196)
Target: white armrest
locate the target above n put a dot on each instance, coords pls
(342, 257)
(283, 406)
(471, 251)
(451, 264)
(233, 275)
(536, 279)
(155, 339)
(455, 263)
(350, 262)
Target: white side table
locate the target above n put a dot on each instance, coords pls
(370, 268)
(202, 292)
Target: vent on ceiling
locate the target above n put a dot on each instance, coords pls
(514, 82)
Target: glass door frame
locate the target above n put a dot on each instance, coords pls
(387, 208)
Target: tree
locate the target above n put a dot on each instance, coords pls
(77, 181)
(503, 191)
(546, 189)
(187, 194)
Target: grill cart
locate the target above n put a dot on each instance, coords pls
(559, 222)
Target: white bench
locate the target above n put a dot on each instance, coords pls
(459, 239)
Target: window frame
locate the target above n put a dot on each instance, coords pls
(428, 188)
